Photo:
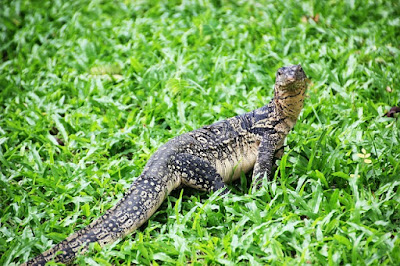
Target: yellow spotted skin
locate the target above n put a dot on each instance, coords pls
(204, 159)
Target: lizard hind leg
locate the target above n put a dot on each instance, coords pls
(197, 173)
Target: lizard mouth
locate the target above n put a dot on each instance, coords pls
(293, 85)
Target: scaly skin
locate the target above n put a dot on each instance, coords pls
(204, 159)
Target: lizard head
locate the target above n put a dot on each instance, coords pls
(290, 78)
(290, 87)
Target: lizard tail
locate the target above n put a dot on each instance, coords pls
(140, 202)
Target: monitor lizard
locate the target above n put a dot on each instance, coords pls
(204, 159)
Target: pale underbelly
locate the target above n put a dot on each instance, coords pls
(231, 168)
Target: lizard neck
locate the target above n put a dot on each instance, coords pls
(289, 103)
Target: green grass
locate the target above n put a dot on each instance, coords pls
(90, 89)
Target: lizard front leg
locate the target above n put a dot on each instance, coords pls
(269, 145)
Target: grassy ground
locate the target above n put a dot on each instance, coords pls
(90, 89)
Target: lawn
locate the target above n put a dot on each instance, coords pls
(90, 89)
